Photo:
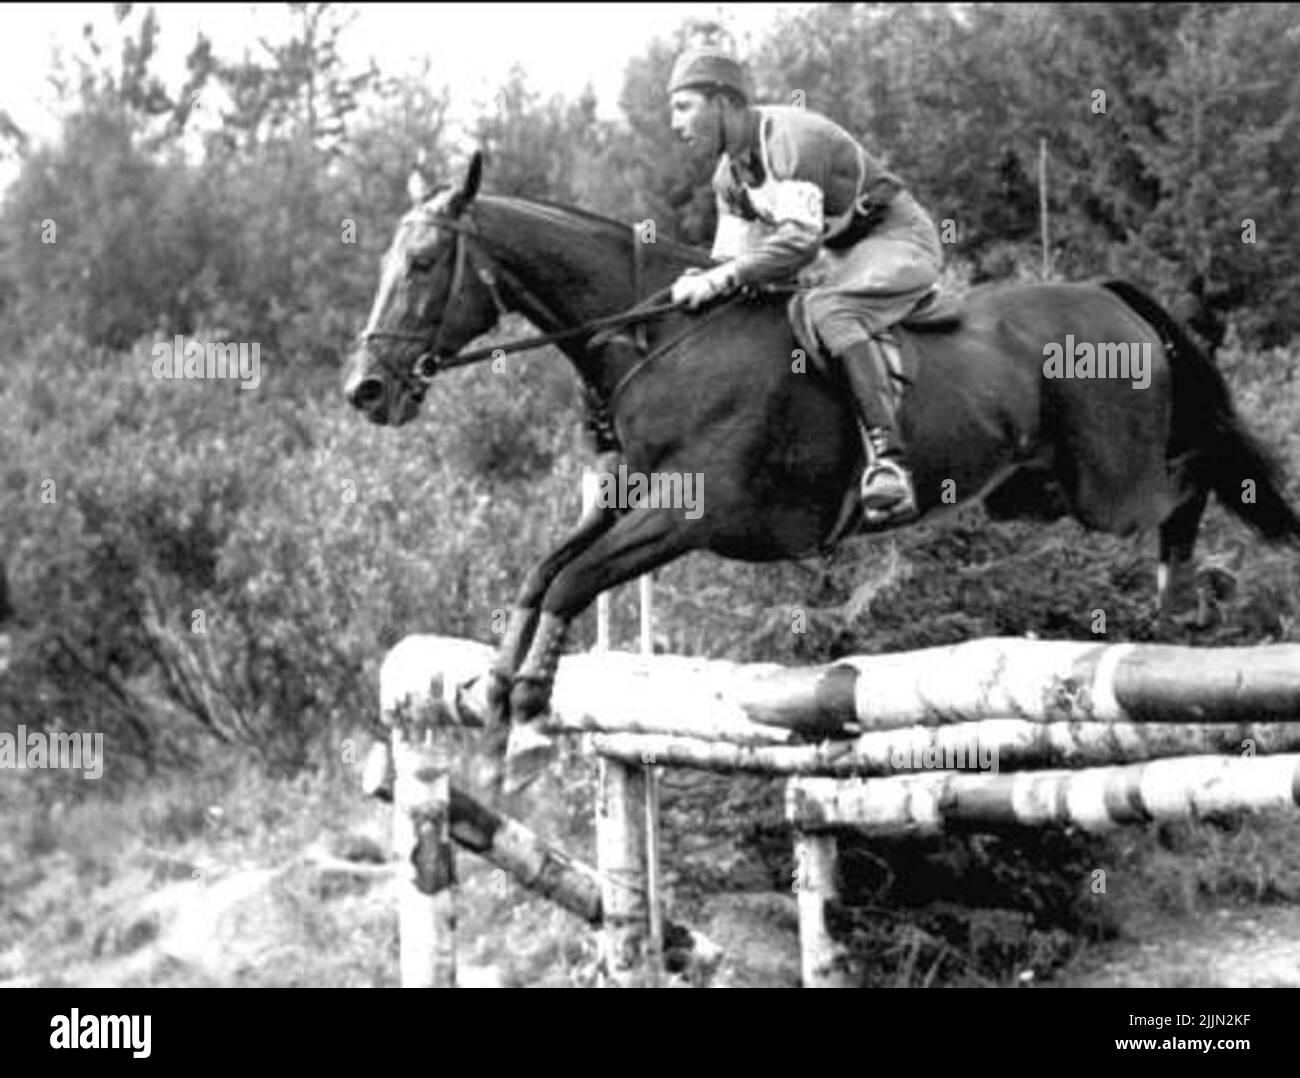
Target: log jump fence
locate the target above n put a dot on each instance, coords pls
(980, 735)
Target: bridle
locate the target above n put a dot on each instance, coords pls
(431, 361)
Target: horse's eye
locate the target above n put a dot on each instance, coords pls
(421, 265)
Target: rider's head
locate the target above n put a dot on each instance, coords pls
(708, 97)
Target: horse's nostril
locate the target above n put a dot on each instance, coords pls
(367, 392)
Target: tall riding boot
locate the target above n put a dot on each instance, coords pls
(886, 490)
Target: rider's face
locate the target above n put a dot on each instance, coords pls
(697, 120)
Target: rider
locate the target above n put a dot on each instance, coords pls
(795, 191)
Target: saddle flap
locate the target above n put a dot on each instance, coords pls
(900, 352)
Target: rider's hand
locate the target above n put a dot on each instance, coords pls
(696, 287)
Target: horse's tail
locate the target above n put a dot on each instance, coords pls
(1206, 424)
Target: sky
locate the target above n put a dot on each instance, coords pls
(472, 46)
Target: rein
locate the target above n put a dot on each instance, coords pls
(431, 362)
(643, 312)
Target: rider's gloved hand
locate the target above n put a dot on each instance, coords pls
(696, 287)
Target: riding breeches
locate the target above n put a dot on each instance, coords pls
(864, 289)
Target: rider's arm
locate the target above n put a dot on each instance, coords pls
(734, 236)
(792, 207)
(795, 240)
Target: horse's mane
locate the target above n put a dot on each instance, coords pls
(560, 214)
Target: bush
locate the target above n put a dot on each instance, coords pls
(246, 557)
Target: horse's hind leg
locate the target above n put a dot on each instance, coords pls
(1176, 576)
(522, 624)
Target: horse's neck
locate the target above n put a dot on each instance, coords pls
(564, 270)
(568, 272)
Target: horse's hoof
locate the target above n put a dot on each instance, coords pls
(529, 697)
(528, 752)
(1175, 624)
(1208, 614)
(1217, 582)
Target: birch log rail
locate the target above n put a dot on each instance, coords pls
(984, 734)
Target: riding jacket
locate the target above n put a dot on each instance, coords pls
(802, 183)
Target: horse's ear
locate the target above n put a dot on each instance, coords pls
(473, 176)
(417, 187)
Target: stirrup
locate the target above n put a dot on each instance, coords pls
(903, 507)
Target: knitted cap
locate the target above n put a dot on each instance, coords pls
(709, 66)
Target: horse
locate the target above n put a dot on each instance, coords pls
(726, 394)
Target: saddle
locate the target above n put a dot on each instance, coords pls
(934, 312)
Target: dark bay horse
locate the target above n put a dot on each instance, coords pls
(724, 397)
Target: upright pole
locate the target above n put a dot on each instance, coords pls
(824, 960)
(426, 886)
(620, 851)
(1042, 207)
(655, 948)
(589, 490)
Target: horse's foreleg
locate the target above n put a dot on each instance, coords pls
(509, 654)
(522, 624)
(642, 540)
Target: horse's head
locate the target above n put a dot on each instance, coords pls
(431, 302)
